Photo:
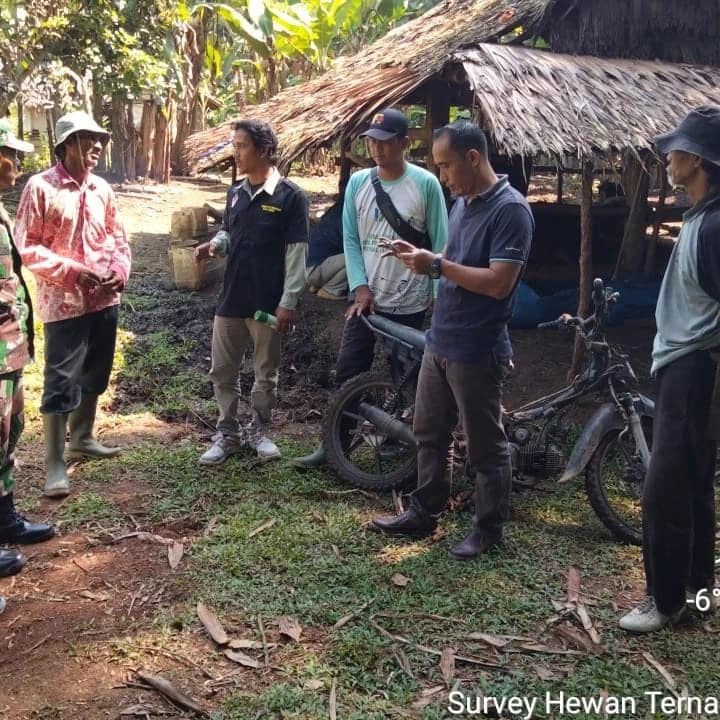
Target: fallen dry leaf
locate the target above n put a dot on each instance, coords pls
(493, 640)
(573, 585)
(266, 525)
(242, 644)
(661, 669)
(400, 580)
(175, 554)
(587, 624)
(290, 626)
(581, 641)
(427, 696)
(333, 700)
(313, 684)
(97, 597)
(241, 658)
(447, 665)
(212, 625)
(210, 529)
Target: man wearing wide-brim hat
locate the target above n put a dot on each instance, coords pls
(678, 497)
(69, 235)
(16, 350)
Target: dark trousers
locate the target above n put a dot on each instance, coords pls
(78, 358)
(679, 493)
(357, 347)
(449, 390)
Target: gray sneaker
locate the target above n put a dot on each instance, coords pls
(3, 603)
(221, 449)
(646, 618)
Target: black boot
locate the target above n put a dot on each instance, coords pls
(415, 522)
(476, 543)
(17, 530)
(492, 508)
(11, 562)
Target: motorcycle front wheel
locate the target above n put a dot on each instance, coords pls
(614, 481)
(359, 452)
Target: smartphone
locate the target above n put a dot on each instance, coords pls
(388, 244)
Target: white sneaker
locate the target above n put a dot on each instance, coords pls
(265, 448)
(221, 449)
(646, 618)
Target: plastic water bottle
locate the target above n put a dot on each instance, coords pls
(266, 317)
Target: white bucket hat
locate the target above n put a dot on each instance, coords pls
(77, 122)
(9, 140)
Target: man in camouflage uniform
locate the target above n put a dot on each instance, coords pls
(16, 348)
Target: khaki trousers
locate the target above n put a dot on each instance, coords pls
(230, 339)
(330, 275)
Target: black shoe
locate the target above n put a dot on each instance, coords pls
(475, 544)
(24, 532)
(11, 562)
(413, 522)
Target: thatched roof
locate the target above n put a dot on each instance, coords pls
(685, 32)
(530, 101)
(340, 101)
(533, 101)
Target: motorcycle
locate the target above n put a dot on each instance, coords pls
(368, 437)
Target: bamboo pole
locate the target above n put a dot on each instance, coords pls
(585, 262)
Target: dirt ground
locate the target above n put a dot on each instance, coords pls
(83, 589)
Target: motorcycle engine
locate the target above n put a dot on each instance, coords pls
(530, 458)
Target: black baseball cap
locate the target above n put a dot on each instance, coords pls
(386, 125)
(698, 134)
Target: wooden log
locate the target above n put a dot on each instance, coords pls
(172, 693)
(585, 263)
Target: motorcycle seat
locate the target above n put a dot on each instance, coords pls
(408, 335)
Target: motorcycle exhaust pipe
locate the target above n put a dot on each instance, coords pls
(387, 424)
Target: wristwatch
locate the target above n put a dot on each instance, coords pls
(436, 268)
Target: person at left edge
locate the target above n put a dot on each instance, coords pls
(70, 237)
(16, 350)
(264, 236)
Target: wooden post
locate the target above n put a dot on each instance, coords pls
(131, 144)
(649, 269)
(346, 162)
(437, 114)
(636, 183)
(585, 262)
(560, 178)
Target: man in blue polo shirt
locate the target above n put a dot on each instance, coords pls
(468, 348)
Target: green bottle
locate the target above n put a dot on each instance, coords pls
(266, 317)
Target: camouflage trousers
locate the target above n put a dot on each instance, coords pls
(12, 421)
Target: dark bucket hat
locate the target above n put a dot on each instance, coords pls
(698, 134)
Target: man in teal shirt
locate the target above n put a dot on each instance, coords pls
(381, 283)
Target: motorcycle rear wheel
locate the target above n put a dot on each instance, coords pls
(360, 454)
(614, 481)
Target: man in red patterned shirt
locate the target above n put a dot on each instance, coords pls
(71, 239)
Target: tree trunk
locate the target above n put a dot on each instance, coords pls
(190, 117)
(97, 113)
(21, 120)
(585, 262)
(131, 146)
(50, 133)
(119, 139)
(164, 121)
(636, 182)
(147, 133)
